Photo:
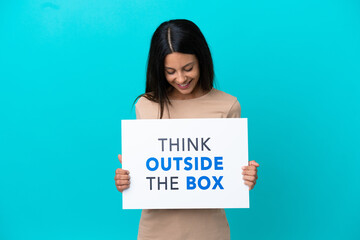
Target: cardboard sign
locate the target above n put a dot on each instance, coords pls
(185, 163)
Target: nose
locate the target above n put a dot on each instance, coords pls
(181, 79)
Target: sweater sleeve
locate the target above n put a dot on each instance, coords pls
(235, 110)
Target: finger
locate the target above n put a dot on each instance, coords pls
(120, 158)
(122, 177)
(249, 178)
(249, 172)
(254, 184)
(253, 163)
(122, 188)
(250, 184)
(249, 168)
(122, 182)
(122, 171)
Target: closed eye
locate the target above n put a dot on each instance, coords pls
(188, 70)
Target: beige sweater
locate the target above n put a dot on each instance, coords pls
(187, 224)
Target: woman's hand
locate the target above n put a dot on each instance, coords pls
(250, 174)
(122, 177)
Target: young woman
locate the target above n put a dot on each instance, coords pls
(179, 84)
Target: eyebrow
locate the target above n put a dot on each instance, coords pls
(183, 66)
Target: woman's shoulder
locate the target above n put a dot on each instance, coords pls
(223, 98)
(227, 101)
(144, 99)
(146, 108)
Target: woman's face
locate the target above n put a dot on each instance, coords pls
(182, 72)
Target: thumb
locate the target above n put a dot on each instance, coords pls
(253, 163)
(120, 158)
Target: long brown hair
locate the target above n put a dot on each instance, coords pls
(178, 35)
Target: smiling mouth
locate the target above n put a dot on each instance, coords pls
(184, 86)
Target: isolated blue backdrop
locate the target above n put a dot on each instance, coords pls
(70, 70)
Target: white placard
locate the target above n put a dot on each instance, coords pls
(205, 155)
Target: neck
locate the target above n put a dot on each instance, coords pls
(175, 95)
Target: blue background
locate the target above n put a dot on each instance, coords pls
(70, 70)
